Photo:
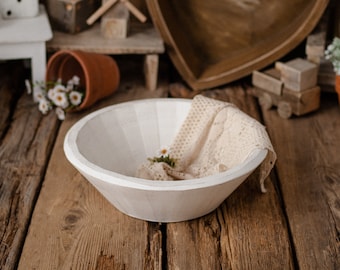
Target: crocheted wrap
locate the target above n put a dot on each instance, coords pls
(214, 137)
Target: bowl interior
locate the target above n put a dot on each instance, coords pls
(110, 144)
(122, 137)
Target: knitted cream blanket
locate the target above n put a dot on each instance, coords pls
(214, 137)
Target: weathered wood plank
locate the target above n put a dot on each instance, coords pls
(24, 152)
(142, 39)
(81, 229)
(308, 168)
(248, 231)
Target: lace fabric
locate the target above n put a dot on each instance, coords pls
(214, 137)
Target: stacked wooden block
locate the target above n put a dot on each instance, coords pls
(115, 22)
(317, 42)
(291, 86)
(315, 47)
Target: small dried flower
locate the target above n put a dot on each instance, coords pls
(60, 100)
(164, 156)
(76, 80)
(38, 95)
(60, 113)
(28, 87)
(51, 94)
(59, 88)
(75, 98)
(44, 106)
(69, 86)
(164, 151)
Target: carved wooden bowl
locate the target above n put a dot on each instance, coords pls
(215, 42)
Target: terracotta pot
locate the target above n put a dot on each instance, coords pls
(99, 74)
(337, 86)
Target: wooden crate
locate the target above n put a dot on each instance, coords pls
(70, 16)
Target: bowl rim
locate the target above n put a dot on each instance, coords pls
(86, 167)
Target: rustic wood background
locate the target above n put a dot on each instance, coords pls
(52, 218)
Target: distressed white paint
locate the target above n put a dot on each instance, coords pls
(108, 145)
(25, 39)
(13, 9)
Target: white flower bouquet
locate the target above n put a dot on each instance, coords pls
(332, 53)
(56, 95)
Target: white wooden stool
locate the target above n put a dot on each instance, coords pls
(25, 39)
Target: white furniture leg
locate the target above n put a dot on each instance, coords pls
(25, 39)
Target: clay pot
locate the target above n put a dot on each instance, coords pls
(99, 74)
(337, 86)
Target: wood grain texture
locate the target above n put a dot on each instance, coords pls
(295, 225)
(84, 225)
(247, 35)
(268, 80)
(79, 223)
(142, 39)
(115, 23)
(24, 152)
(248, 231)
(309, 171)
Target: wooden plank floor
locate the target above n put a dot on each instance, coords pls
(52, 218)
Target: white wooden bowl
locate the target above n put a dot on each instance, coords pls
(108, 145)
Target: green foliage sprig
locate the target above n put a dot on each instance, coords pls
(164, 156)
(332, 53)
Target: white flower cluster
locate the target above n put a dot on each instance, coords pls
(332, 53)
(59, 96)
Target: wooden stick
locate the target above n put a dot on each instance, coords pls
(100, 11)
(139, 15)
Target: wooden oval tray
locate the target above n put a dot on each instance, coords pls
(215, 42)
